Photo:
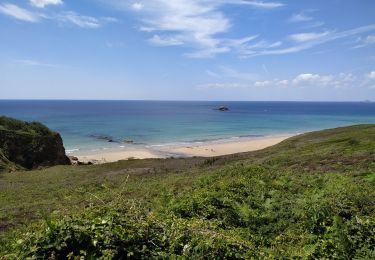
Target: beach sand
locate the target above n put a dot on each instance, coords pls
(114, 156)
(216, 149)
(208, 149)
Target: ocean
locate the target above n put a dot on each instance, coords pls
(87, 126)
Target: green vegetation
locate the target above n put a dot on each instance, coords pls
(28, 145)
(311, 196)
(21, 127)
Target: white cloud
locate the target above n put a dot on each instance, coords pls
(304, 80)
(166, 41)
(192, 23)
(340, 80)
(283, 82)
(73, 18)
(137, 6)
(306, 41)
(364, 42)
(301, 17)
(109, 19)
(249, 49)
(17, 12)
(33, 63)
(371, 75)
(79, 20)
(225, 85)
(308, 77)
(272, 83)
(314, 24)
(83, 21)
(370, 39)
(303, 37)
(257, 4)
(208, 52)
(238, 75)
(307, 20)
(263, 83)
(44, 3)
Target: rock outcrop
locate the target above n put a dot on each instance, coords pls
(222, 108)
(29, 145)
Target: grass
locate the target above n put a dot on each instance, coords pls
(20, 127)
(311, 196)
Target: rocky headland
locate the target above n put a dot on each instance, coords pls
(25, 145)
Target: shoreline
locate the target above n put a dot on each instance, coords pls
(201, 149)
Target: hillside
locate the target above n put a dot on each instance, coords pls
(29, 145)
(311, 196)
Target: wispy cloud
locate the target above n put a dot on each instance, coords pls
(224, 85)
(257, 4)
(311, 36)
(364, 42)
(44, 3)
(238, 75)
(371, 75)
(33, 63)
(137, 6)
(301, 17)
(68, 17)
(213, 74)
(79, 20)
(306, 19)
(18, 13)
(305, 41)
(192, 23)
(165, 41)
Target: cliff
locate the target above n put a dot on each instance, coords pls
(29, 145)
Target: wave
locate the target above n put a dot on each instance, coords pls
(69, 151)
(202, 141)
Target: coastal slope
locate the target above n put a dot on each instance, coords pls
(29, 145)
(310, 197)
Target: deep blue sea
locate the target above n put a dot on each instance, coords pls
(153, 123)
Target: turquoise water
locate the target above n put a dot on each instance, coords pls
(153, 123)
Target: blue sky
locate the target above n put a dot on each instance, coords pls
(188, 49)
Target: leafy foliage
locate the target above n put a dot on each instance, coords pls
(33, 128)
(311, 197)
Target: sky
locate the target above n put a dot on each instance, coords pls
(188, 50)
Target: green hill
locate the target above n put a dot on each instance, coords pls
(28, 145)
(309, 197)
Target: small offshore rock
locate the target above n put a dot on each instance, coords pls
(223, 108)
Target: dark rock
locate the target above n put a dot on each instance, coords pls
(223, 108)
(73, 160)
(127, 141)
(103, 137)
(30, 145)
(91, 162)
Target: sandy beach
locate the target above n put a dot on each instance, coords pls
(208, 149)
(114, 156)
(217, 149)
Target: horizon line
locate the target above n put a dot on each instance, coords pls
(198, 100)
